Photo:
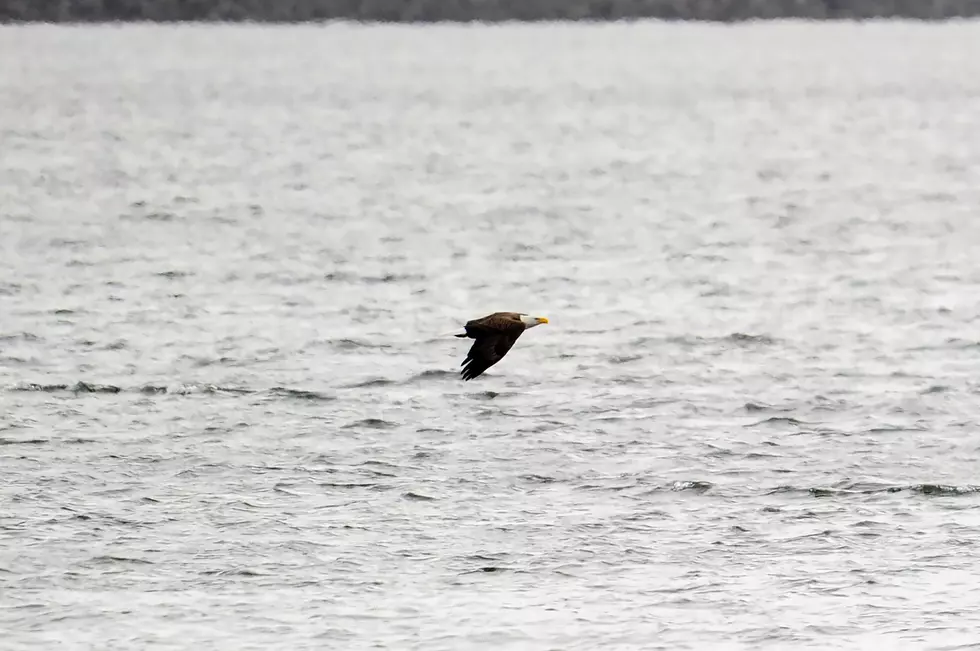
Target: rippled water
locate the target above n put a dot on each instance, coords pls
(232, 416)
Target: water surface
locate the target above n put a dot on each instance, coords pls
(230, 416)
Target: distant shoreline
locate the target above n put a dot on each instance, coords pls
(487, 11)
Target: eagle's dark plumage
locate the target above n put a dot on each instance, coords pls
(495, 334)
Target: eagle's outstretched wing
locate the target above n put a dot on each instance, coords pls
(488, 349)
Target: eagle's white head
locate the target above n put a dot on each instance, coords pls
(531, 321)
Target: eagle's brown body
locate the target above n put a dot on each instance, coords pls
(495, 334)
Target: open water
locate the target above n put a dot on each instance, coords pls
(231, 416)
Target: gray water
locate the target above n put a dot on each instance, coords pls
(231, 411)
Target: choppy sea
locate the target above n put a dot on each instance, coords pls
(230, 410)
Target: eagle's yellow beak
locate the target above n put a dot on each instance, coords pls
(542, 319)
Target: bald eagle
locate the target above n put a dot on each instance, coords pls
(494, 334)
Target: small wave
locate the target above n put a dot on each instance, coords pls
(658, 342)
(346, 277)
(652, 403)
(777, 420)
(371, 423)
(954, 343)
(355, 344)
(418, 497)
(943, 489)
(6, 441)
(742, 338)
(823, 403)
(47, 388)
(242, 572)
(844, 489)
(764, 455)
(886, 429)
(938, 197)
(300, 394)
(755, 407)
(624, 380)
(174, 390)
(155, 215)
(483, 558)
(121, 559)
(178, 390)
(538, 479)
(430, 374)
(391, 278)
(624, 359)
(681, 486)
(488, 569)
(829, 491)
(378, 462)
(174, 274)
(78, 387)
(204, 362)
(380, 473)
(21, 336)
(693, 485)
(625, 485)
(690, 341)
(66, 243)
(368, 384)
(281, 488)
(192, 389)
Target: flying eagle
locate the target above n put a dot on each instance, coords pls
(494, 334)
